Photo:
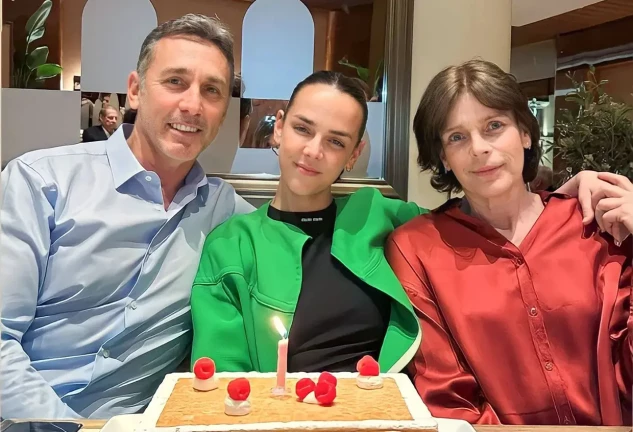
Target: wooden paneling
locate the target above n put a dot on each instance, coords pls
(335, 4)
(593, 15)
(351, 38)
(596, 38)
(331, 4)
(539, 88)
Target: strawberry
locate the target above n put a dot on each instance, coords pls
(367, 366)
(204, 368)
(304, 387)
(239, 389)
(325, 393)
(328, 377)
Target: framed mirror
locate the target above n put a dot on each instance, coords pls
(242, 143)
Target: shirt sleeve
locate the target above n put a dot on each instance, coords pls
(621, 329)
(440, 373)
(241, 205)
(26, 218)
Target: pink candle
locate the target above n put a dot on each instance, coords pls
(282, 357)
(282, 363)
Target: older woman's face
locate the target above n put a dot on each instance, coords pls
(483, 147)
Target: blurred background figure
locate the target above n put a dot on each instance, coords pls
(246, 108)
(544, 180)
(263, 136)
(108, 117)
(129, 116)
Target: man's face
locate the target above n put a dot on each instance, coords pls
(109, 120)
(184, 98)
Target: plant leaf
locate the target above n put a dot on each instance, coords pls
(35, 35)
(38, 19)
(48, 70)
(363, 73)
(37, 57)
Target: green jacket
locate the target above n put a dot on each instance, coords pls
(250, 271)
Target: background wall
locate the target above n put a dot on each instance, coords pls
(448, 32)
(230, 12)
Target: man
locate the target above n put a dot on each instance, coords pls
(108, 117)
(101, 242)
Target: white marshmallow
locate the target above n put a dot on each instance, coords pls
(236, 408)
(311, 399)
(369, 382)
(205, 385)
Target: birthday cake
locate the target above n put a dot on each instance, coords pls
(205, 401)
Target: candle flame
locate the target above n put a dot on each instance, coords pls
(279, 326)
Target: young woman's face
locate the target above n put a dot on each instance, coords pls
(484, 148)
(318, 138)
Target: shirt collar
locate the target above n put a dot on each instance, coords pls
(196, 176)
(124, 164)
(456, 206)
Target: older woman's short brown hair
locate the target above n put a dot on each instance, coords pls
(492, 87)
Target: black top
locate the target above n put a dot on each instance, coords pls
(338, 318)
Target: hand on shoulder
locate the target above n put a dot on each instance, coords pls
(614, 212)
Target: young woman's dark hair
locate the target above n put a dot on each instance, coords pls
(493, 88)
(342, 83)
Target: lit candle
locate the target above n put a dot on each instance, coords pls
(282, 357)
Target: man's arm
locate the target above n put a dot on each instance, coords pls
(26, 217)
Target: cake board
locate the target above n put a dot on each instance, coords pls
(176, 407)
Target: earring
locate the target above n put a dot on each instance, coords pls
(274, 149)
(348, 169)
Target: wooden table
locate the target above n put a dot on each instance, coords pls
(96, 425)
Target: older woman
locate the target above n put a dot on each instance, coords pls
(524, 309)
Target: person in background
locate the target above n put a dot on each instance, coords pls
(525, 309)
(246, 108)
(130, 116)
(263, 136)
(101, 242)
(108, 117)
(544, 180)
(312, 260)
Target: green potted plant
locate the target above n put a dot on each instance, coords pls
(30, 66)
(372, 80)
(598, 133)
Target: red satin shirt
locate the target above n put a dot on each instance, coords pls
(539, 334)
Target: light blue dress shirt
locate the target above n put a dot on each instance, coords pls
(96, 277)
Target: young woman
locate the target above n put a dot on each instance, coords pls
(526, 312)
(315, 262)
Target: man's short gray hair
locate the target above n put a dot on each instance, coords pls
(104, 110)
(194, 25)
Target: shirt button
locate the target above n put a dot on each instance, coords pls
(519, 261)
(533, 311)
(106, 353)
(148, 178)
(549, 366)
(133, 305)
